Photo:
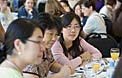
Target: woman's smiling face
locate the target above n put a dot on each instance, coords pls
(29, 4)
(50, 37)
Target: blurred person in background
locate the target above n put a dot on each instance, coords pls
(15, 5)
(65, 5)
(27, 10)
(95, 22)
(108, 8)
(6, 16)
(54, 7)
(78, 10)
(117, 23)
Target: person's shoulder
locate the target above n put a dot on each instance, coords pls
(93, 16)
(9, 73)
(103, 9)
(97, 16)
(57, 44)
(22, 11)
(21, 8)
(8, 8)
(91, 19)
(81, 39)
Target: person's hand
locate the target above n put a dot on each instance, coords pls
(86, 56)
(30, 11)
(66, 70)
(83, 63)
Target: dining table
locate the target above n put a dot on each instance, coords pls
(87, 71)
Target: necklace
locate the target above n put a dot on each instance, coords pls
(13, 65)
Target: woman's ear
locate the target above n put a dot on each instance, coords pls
(91, 8)
(18, 44)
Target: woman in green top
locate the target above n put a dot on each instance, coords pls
(23, 40)
(23, 46)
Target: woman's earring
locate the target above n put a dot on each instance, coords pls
(19, 53)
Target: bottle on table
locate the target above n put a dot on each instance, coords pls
(110, 69)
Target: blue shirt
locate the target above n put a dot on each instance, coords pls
(22, 13)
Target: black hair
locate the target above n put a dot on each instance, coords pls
(25, 1)
(75, 49)
(58, 23)
(89, 3)
(68, 17)
(66, 2)
(79, 3)
(48, 21)
(19, 29)
(111, 2)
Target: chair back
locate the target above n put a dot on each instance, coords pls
(102, 44)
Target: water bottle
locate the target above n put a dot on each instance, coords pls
(110, 70)
(2, 19)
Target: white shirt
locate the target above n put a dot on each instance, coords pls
(72, 3)
(104, 10)
(95, 24)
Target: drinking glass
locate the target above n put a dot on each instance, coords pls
(96, 65)
(114, 53)
(91, 68)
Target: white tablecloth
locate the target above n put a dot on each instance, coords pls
(81, 72)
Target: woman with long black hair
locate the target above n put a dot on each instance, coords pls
(70, 48)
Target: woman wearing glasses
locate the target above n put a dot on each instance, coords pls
(23, 46)
(70, 48)
(20, 37)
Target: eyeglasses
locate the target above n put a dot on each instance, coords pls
(76, 27)
(37, 42)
